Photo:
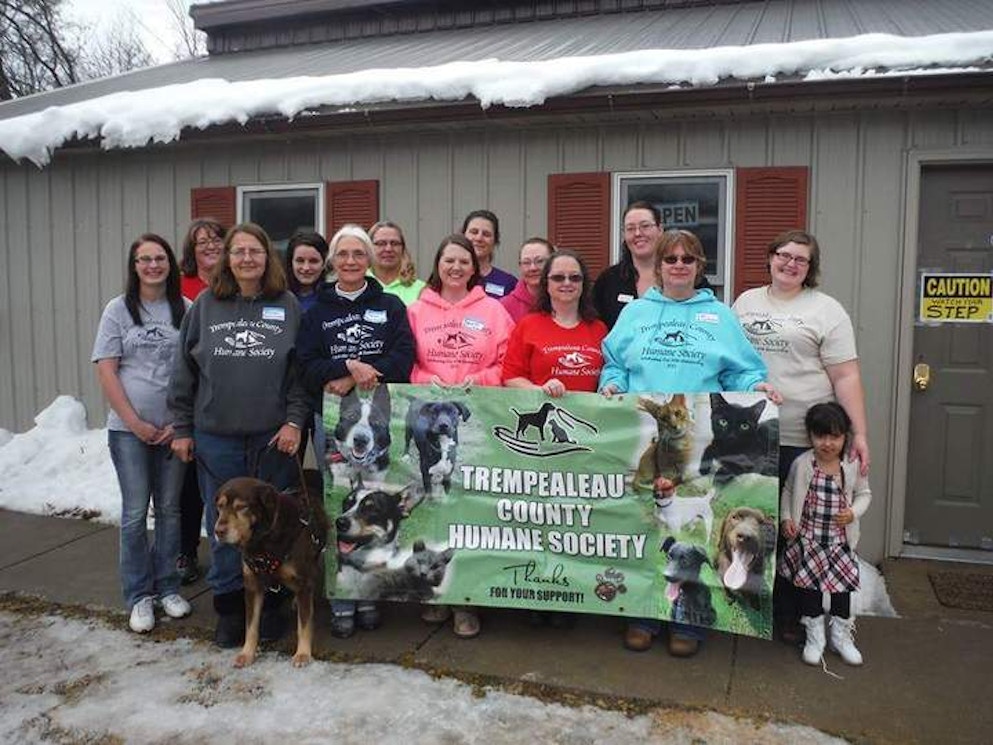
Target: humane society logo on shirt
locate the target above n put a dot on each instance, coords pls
(675, 342)
(243, 338)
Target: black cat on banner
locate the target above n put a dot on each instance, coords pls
(741, 444)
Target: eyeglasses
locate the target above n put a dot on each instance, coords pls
(204, 242)
(786, 257)
(684, 259)
(240, 253)
(384, 243)
(536, 263)
(644, 227)
(574, 278)
(146, 260)
(357, 255)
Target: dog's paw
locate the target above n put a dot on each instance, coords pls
(244, 659)
(302, 659)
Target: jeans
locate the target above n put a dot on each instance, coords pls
(147, 472)
(223, 457)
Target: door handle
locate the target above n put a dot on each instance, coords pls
(922, 376)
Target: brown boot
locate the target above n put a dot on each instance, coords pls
(682, 646)
(638, 639)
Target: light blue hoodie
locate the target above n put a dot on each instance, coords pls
(679, 346)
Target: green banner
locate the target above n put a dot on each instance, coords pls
(508, 498)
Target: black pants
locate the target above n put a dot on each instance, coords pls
(785, 601)
(811, 603)
(190, 513)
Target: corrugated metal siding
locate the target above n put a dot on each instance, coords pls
(66, 229)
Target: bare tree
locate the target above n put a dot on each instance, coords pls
(34, 53)
(190, 42)
(113, 49)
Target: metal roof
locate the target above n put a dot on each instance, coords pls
(599, 34)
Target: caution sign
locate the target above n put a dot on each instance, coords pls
(958, 298)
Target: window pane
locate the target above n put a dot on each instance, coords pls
(282, 213)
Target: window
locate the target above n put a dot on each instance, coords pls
(282, 210)
(698, 201)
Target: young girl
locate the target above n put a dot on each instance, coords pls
(822, 501)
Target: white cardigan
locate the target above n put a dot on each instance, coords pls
(856, 492)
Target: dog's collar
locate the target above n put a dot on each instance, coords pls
(266, 563)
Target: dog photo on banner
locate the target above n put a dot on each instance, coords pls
(643, 505)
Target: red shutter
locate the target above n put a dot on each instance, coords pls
(350, 202)
(216, 202)
(768, 201)
(579, 216)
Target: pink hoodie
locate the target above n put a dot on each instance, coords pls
(520, 302)
(461, 340)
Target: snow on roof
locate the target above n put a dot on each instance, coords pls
(136, 118)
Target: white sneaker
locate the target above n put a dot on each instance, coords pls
(143, 616)
(842, 632)
(175, 606)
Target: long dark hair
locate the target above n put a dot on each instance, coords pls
(434, 281)
(316, 241)
(132, 288)
(543, 303)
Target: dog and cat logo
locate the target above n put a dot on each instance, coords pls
(675, 338)
(456, 340)
(354, 334)
(246, 339)
(548, 431)
(763, 327)
(575, 360)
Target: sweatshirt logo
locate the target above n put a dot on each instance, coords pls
(675, 338)
(246, 339)
(354, 334)
(456, 340)
(762, 327)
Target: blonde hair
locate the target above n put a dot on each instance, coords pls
(408, 272)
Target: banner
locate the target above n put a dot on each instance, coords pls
(509, 498)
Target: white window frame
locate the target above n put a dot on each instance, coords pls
(241, 191)
(724, 276)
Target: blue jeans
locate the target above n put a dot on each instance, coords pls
(147, 472)
(223, 457)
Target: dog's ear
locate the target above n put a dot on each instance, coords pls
(266, 499)
(448, 554)
(381, 399)
(667, 544)
(702, 556)
(418, 546)
(769, 532)
(463, 410)
(351, 399)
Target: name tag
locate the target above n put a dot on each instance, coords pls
(473, 323)
(625, 298)
(375, 316)
(707, 318)
(273, 314)
(494, 289)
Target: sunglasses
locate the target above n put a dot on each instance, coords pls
(684, 259)
(574, 278)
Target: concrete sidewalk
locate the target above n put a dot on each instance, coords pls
(926, 678)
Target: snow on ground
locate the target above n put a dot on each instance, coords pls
(135, 118)
(59, 467)
(68, 680)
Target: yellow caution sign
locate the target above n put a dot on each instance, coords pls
(957, 298)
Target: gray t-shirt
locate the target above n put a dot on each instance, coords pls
(146, 354)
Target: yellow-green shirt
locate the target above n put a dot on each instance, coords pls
(407, 293)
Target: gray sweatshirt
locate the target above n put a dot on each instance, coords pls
(235, 370)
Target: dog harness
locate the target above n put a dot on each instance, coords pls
(267, 563)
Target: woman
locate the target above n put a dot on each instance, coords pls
(238, 402)
(721, 359)
(305, 257)
(135, 344)
(482, 229)
(384, 354)
(202, 248)
(634, 274)
(391, 263)
(453, 304)
(534, 254)
(806, 339)
(564, 324)
(453, 295)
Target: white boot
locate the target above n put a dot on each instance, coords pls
(813, 648)
(843, 639)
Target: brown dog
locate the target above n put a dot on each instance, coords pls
(281, 537)
(747, 538)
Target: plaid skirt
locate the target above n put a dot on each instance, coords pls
(819, 558)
